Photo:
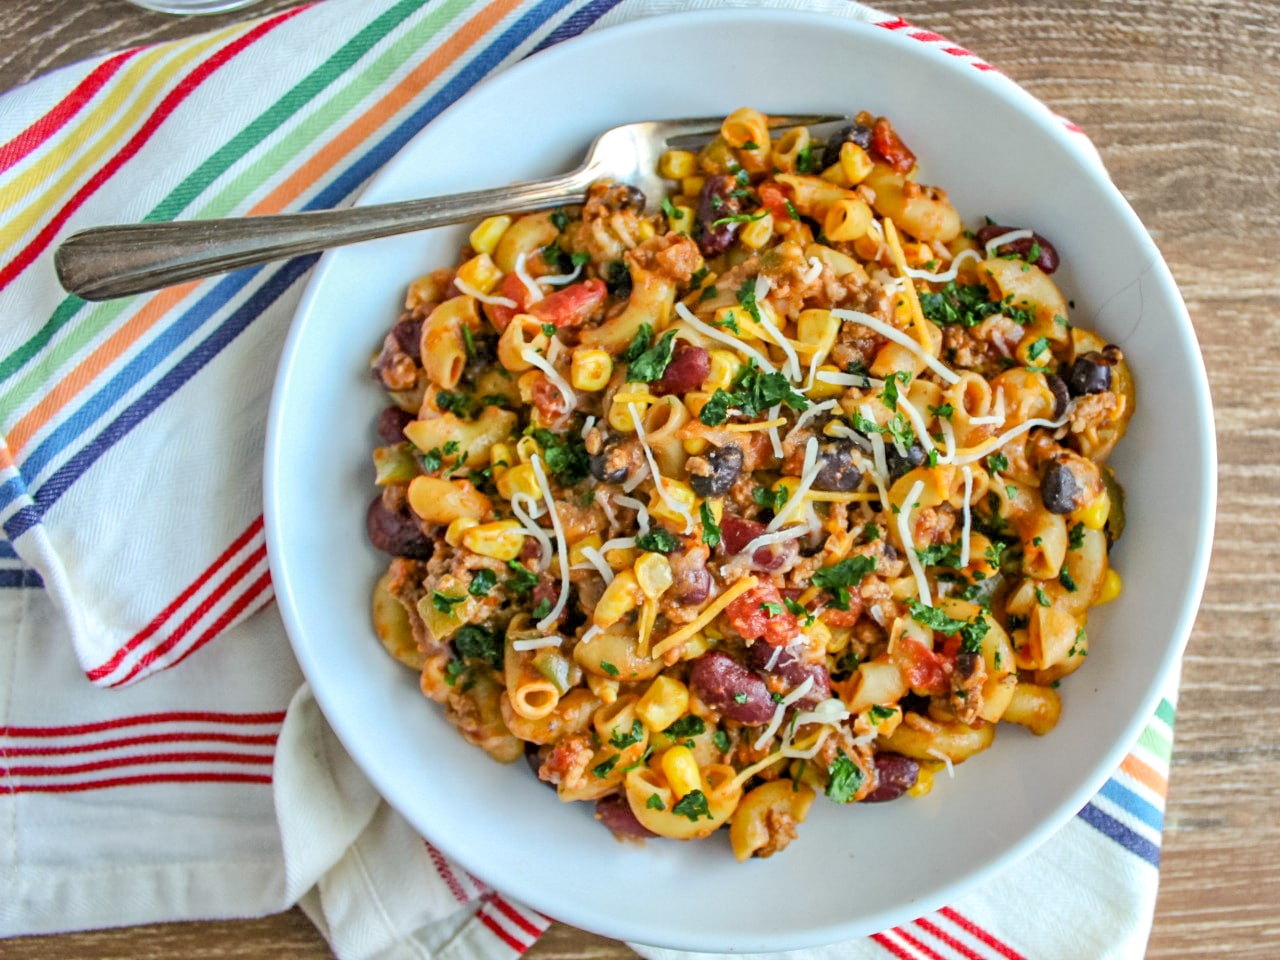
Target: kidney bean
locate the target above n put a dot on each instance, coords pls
(723, 465)
(689, 366)
(900, 465)
(895, 775)
(793, 669)
(854, 133)
(736, 532)
(724, 684)
(1090, 373)
(1046, 258)
(886, 142)
(838, 472)
(715, 202)
(1059, 489)
(615, 813)
(690, 579)
(408, 335)
(396, 533)
(391, 424)
(1061, 393)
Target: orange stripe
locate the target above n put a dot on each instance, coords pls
(368, 123)
(1145, 775)
(320, 163)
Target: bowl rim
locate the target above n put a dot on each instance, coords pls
(527, 888)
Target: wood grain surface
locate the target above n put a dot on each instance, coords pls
(1183, 100)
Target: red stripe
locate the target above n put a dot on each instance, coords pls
(66, 108)
(266, 740)
(898, 24)
(939, 934)
(892, 947)
(236, 575)
(97, 673)
(514, 915)
(140, 779)
(176, 716)
(970, 927)
(928, 36)
(446, 873)
(114, 763)
(501, 932)
(917, 945)
(170, 103)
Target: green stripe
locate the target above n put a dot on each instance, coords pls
(199, 180)
(1156, 744)
(1165, 711)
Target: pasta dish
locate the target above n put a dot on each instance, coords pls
(795, 486)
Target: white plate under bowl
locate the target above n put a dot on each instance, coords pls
(853, 870)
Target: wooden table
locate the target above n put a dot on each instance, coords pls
(1183, 100)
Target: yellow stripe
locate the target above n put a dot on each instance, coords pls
(705, 617)
(140, 104)
(825, 496)
(755, 425)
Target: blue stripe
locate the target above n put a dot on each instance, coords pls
(1130, 802)
(185, 324)
(577, 22)
(10, 579)
(8, 551)
(1117, 831)
(21, 521)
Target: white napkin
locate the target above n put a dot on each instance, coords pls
(133, 548)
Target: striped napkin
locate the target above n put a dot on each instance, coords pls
(133, 543)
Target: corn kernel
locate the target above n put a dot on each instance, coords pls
(677, 164)
(678, 492)
(758, 232)
(724, 367)
(619, 598)
(854, 162)
(681, 771)
(619, 415)
(680, 219)
(653, 573)
(696, 446)
(1094, 514)
(924, 780)
(519, 479)
(822, 390)
(1112, 586)
(695, 646)
(480, 272)
(576, 554)
(663, 703)
(590, 369)
(692, 186)
(500, 539)
(501, 456)
(453, 533)
(646, 230)
(621, 558)
(484, 238)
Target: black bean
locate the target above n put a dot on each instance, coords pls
(396, 533)
(715, 203)
(1061, 394)
(391, 424)
(408, 334)
(854, 133)
(838, 472)
(1058, 488)
(609, 465)
(618, 280)
(898, 464)
(724, 463)
(895, 775)
(966, 663)
(1090, 373)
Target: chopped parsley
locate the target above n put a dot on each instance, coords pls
(1068, 584)
(739, 697)
(686, 726)
(456, 403)
(639, 343)
(753, 393)
(542, 609)
(657, 540)
(453, 670)
(798, 610)
(652, 363)
(549, 329)
(1038, 346)
(838, 578)
(871, 532)
(559, 219)
(445, 603)
(655, 802)
(521, 581)
(997, 462)
(740, 218)
(889, 395)
(1042, 598)
(624, 739)
(608, 668)
(940, 555)
(669, 209)
(769, 499)
(482, 581)
(971, 634)
(967, 305)
(879, 714)
(432, 460)
(806, 162)
(605, 767)
(693, 805)
(747, 297)
(772, 609)
(711, 535)
(729, 322)
(1075, 538)
(942, 412)
(565, 455)
(477, 643)
(721, 741)
(844, 779)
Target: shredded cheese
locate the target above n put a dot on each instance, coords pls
(659, 482)
(518, 503)
(808, 474)
(563, 548)
(995, 243)
(814, 271)
(754, 425)
(536, 643)
(968, 519)
(776, 720)
(707, 330)
(640, 477)
(535, 291)
(810, 412)
(775, 439)
(997, 418)
(974, 454)
(557, 279)
(586, 427)
(848, 379)
(949, 435)
(470, 291)
(909, 544)
(748, 772)
(531, 356)
(917, 422)
(946, 761)
(617, 543)
(642, 512)
(596, 559)
(900, 338)
(712, 611)
(793, 361)
(773, 659)
(591, 633)
(767, 539)
(947, 275)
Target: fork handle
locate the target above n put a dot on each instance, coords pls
(118, 261)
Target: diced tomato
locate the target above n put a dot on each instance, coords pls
(843, 618)
(775, 197)
(750, 616)
(572, 305)
(547, 400)
(922, 667)
(512, 288)
(886, 142)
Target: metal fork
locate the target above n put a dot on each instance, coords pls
(117, 261)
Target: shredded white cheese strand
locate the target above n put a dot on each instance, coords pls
(900, 338)
(659, 482)
(917, 422)
(536, 643)
(767, 539)
(557, 279)
(535, 291)
(617, 543)
(909, 544)
(997, 442)
(808, 474)
(470, 291)
(771, 328)
(591, 633)
(640, 477)
(946, 761)
(814, 271)
(586, 427)
(531, 528)
(728, 340)
(560, 383)
(968, 519)
(995, 243)
(949, 434)
(596, 559)
(561, 545)
(810, 412)
(642, 512)
(947, 275)
(774, 439)
(776, 720)
(998, 416)
(849, 379)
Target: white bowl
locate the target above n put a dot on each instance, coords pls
(853, 870)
